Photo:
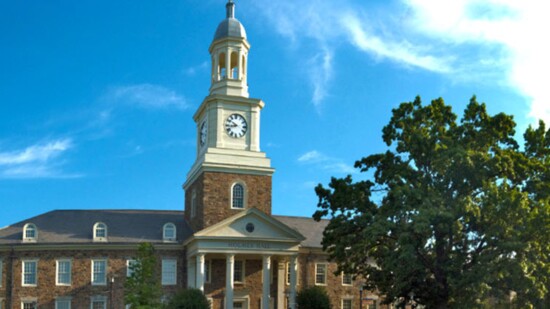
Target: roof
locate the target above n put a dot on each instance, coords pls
(230, 27)
(309, 228)
(76, 226)
(131, 226)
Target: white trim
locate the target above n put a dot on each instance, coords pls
(100, 239)
(23, 262)
(63, 299)
(32, 301)
(128, 270)
(245, 194)
(57, 272)
(102, 299)
(325, 274)
(345, 299)
(208, 271)
(104, 282)
(166, 263)
(287, 273)
(166, 238)
(243, 271)
(30, 239)
(343, 274)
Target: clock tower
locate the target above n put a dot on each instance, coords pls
(230, 173)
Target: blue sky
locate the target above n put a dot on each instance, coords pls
(97, 97)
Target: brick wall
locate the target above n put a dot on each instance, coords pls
(213, 197)
(81, 288)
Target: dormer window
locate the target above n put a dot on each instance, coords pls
(30, 232)
(169, 232)
(237, 196)
(100, 231)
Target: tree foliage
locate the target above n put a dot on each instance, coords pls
(314, 297)
(455, 213)
(142, 287)
(189, 299)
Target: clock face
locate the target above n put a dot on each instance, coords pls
(236, 126)
(203, 133)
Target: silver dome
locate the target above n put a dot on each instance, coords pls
(230, 27)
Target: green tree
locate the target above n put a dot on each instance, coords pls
(453, 213)
(189, 299)
(314, 297)
(142, 287)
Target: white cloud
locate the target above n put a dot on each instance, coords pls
(147, 96)
(330, 24)
(191, 71)
(513, 31)
(35, 161)
(325, 162)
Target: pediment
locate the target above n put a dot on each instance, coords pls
(251, 224)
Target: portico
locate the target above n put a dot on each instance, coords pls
(252, 245)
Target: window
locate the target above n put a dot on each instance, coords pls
(193, 204)
(99, 272)
(98, 302)
(100, 231)
(169, 272)
(169, 232)
(238, 272)
(346, 304)
(63, 303)
(28, 305)
(371, 306)
(237, 196)
(347, 279)
(30, 232)
(1, 278)
(288, 273)
(320, 274)
(207, 271)
(238, 305)
(29, 273)
(129, 267)
(63, 271)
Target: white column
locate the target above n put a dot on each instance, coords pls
(281, 278)
(266, 281)
(190, 272)
(292, 296)
(228, 64)
(229, 269)
(240, 65)
(200, 272)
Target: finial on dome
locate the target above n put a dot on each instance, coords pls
(230, 8)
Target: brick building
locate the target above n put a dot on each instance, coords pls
(226, 242)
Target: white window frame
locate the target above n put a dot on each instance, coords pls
(23, 262)
(344, 275)
(94, 261)
(245, 190)
(324, 283)
(346, 299)
(104, 238)
(57, 272)
(129, 263)
(102, 299)
(169, 263)
(25, 228)
(167, 226)
(63, 299)
(243, 272)
(31, 302)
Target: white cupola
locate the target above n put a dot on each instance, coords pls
(229, 52)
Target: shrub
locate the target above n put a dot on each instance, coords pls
(313, 298)
(188, 299)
